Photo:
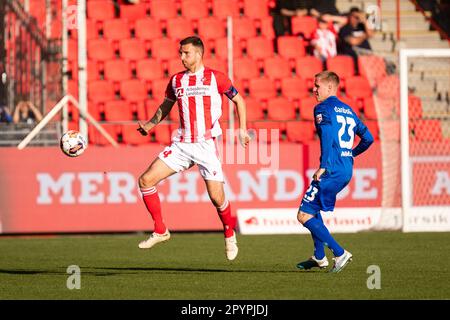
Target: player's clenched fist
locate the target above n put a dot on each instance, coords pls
(244, 138)
(142, 129)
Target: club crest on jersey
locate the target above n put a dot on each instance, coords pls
(319, 118)
(179, 92)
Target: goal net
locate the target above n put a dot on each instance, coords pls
(425, 139)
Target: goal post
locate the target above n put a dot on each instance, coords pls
(425, 139)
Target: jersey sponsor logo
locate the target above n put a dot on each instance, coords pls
(319, 118)
(342, 110)
(179, 92)
(346, 154)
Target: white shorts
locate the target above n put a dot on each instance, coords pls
(180, 156)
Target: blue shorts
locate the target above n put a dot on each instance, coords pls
(321, 195)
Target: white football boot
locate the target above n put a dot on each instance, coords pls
(341, 261)
(231, 248)
(154, 238)
(313, 262)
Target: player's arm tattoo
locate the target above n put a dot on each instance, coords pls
(162, 111)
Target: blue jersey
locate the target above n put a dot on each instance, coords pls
(337, 124)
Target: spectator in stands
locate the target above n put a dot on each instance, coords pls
(26, 112)
(5, 114)
(285, 10)
(328, 11)
(353, 37)
(324, 40)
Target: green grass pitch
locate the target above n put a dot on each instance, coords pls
(193, 266)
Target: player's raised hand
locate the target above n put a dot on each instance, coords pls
(244, 138)
(142, 129)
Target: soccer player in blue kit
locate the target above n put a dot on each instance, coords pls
(336, 125)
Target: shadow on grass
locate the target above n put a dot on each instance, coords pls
(137, 270)
(202, 270)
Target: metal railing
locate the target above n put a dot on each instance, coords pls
(29, 62)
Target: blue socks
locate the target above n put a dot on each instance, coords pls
(319, 248)
(320, 232)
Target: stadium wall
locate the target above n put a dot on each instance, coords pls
(43, 191)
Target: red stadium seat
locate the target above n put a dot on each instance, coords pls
(281, 109)
(179, 28)
(307, 108)
(265, 130)
(194, 9)
(132, 49)
(72, 48)
(96, 138)
(133, 12)
(266, 28)
(131, 136)
(211, 28)
(259, 48)
(294, 88)
(162, 133)
(133, 90)
(277, 68)
(117, 110)
(414, 107)
(164, 49)
(100, 90)
(92, 31)
(243, 28)
(163, 9)
(159, 89)
(100, 49)
(256, 9)
(372, 125)
(100, 10)
(116, 29)
(72, 88)
(117, 70)
(175, 66)
(303, 25)
(342, 65)
(358, 87)
(307, 67)
(147, 29)
(92, 71)
(245, 68)
(149, 69)
(290, 47)
(255, 109)
(427, 130)
(372, 67)
(224, 8)
(221, 49)
(300, 131)
(262, 88)
(216, 64)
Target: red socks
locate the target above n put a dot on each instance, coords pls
(153, 204)
(228, 221)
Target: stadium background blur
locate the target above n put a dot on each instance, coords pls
(132, 50)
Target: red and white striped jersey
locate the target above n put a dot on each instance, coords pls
(326, 39)
(199, 99)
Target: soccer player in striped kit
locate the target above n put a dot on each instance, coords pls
(198, 93)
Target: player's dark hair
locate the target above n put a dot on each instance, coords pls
(328, 76)
(195, 41)
(354, 9)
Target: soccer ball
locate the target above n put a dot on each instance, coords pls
(72, 143)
